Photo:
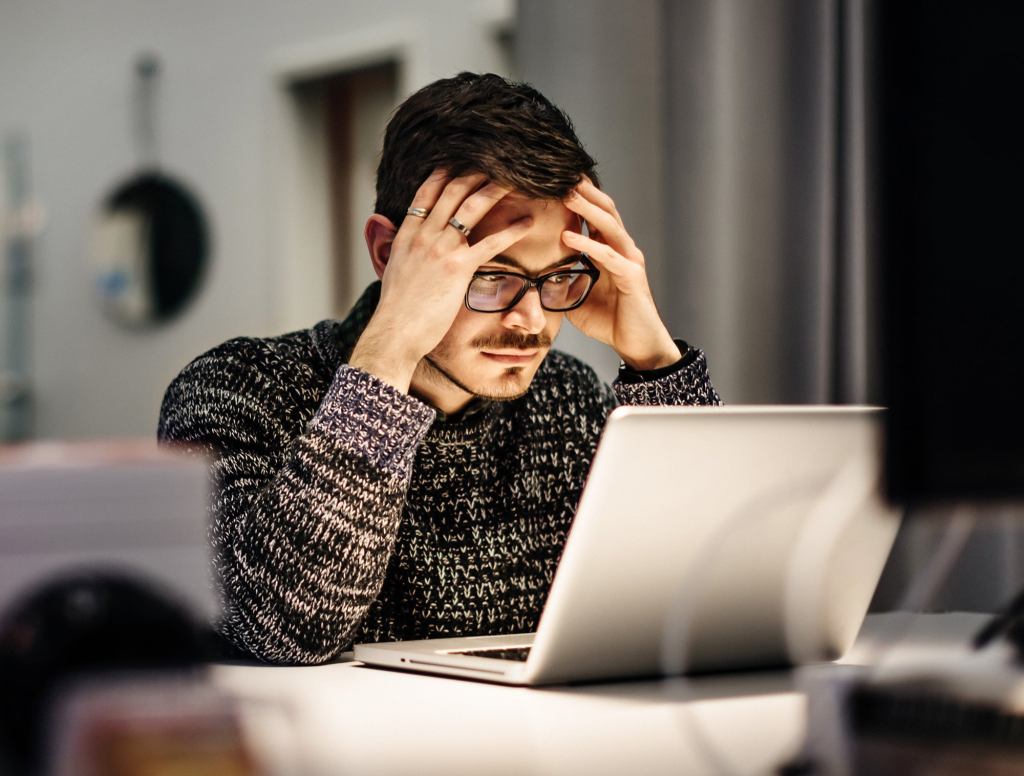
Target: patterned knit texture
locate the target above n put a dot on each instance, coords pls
(346, 511)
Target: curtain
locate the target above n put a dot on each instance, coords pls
(733, 135)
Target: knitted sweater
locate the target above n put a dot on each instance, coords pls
(346, 511)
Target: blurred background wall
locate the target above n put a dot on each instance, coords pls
(730, 132)
(717, 125)
(241, 87)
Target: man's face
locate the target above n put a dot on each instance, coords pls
(495, 355)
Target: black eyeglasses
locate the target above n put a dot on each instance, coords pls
(564, 289)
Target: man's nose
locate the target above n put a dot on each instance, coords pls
(527, 314)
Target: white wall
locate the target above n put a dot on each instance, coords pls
(66, 72)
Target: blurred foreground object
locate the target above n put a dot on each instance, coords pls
(103, 567)
(87, 623)
(925, 702)
(949, 166)
(143, 725)
(125, 505)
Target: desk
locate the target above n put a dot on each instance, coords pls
(350, 719)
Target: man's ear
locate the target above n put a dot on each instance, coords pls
(379, 233)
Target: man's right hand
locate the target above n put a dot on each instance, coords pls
(427, 273)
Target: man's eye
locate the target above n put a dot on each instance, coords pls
(565, 278)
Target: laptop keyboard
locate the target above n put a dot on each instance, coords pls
(505, 653)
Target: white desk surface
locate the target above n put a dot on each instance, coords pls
(351, 719)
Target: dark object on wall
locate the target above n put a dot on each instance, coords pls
(950, 144)
(152, 246)
(84, 624)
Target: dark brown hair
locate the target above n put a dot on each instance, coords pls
(479, 123)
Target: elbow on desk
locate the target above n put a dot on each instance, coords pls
(263, 631)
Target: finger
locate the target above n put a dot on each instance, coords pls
(471, 212)
(479, 203)
(427, 194)
(605, 223)
(607, 258)
(587, 189)
(490, 246)
(453, 195)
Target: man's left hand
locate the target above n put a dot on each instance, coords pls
(620, 310)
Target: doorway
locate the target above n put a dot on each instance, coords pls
(357, 107)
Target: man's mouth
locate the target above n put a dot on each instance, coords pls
(510, 356)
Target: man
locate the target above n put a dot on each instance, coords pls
(412, 471)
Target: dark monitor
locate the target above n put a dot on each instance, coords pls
(947, 97)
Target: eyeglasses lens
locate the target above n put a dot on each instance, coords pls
(562, 291)
(494, 293)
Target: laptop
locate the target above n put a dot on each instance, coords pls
(706, 539)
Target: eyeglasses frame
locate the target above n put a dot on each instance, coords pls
(590, 270)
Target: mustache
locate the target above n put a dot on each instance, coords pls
(511, 340)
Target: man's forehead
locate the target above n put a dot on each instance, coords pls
(519, 196)
(518, 200)
(515, 205)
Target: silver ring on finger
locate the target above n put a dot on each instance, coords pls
(419, 212)
(459, 226)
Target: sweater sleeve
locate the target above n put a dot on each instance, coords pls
(690, 385)
(302, 527)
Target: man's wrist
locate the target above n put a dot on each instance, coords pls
(666, 356)
(374, 353)
(628, 375)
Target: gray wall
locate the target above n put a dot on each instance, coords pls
(66, 81)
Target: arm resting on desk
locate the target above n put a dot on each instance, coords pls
(302, 527)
